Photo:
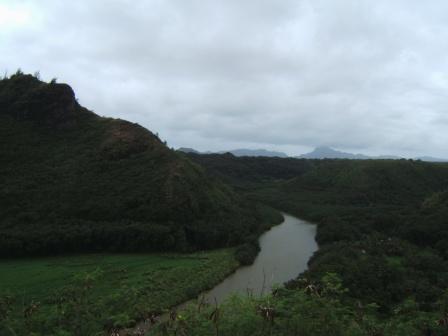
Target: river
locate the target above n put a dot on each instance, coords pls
(285, 251)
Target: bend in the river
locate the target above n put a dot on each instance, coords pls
(285, 251)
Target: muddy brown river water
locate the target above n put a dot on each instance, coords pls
(285, 251)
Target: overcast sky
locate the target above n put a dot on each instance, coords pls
(361, 76)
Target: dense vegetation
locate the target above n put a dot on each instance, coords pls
(87, 294)
(382, 229)
(318, 309)
(72, 181)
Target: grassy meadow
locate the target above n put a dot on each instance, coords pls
(87, 294)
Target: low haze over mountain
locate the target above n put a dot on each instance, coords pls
(431, 159)
(256, 152)
(322, 152)
(329, 153)
(240, 152)
(188, 150)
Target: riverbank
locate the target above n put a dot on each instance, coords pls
(90, 293)
(284, 252)
(248, 251)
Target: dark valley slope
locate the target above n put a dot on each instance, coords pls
(382, 224)
(73, 181)
(391, 196)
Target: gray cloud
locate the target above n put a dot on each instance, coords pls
(367, 76)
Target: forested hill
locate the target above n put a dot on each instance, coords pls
(406, 198)
(73, 181)
(382, 228)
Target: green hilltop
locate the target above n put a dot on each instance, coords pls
(72, 181)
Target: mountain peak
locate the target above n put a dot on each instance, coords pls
(257, 152)
(325, 152)
(25, 97)
(106, 179)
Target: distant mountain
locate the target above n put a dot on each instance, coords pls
(238, 152)
(330, 153)
(322, 152)
(430, 159)
(256, 152)
(386, 157)
(188, 150)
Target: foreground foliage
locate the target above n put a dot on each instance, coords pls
(321, 308)
(86, 295)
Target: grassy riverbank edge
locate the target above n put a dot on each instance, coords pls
(248, 251)
(86, 294)
(245, 254)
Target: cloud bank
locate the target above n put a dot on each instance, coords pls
(363, 76)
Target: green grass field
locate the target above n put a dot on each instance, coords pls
(97, 291)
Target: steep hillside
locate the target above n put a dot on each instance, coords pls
(73, 181)
(373, 181)
(360, 182)
(347, 197)
(245, 170)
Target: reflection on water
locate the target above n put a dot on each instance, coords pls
(285, 251)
